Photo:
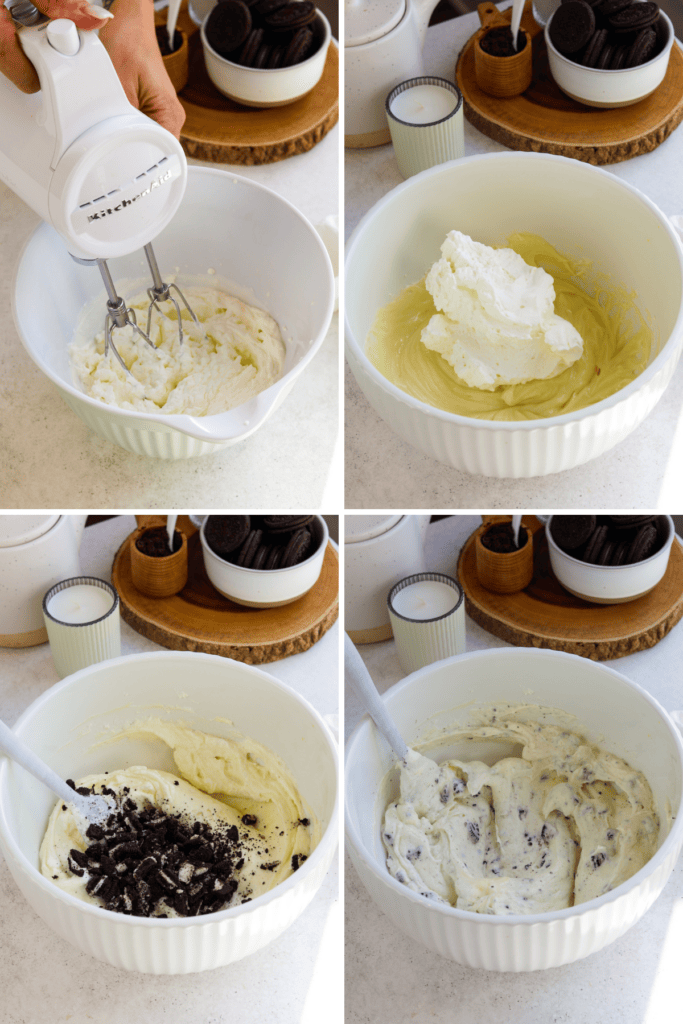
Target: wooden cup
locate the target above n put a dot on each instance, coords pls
(158, 577)
(177, 63)
(504, 573)
(500, 76)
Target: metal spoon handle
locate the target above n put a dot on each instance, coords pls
(357, 674)
(517, 9)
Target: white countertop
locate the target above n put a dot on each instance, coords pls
(45, 980)
(52, 460)
(383, 471)
(393, 978)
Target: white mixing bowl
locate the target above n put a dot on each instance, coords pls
(578, 208)
(252, 239)
(65, 726)
(612, 710)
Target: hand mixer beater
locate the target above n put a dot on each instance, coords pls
(104, 175)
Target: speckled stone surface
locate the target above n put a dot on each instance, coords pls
(52, 460)
(392, 978)
(44, 980)
(383, 471)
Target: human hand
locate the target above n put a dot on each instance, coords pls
(130, 40)
(14, 63)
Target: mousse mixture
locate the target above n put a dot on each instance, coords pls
(232, 354)
(228, 827)
(560, 824)
(514, 333)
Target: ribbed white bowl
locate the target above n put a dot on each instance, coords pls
(249, 238)
(65, 725)
(621, 715)
(579, 209)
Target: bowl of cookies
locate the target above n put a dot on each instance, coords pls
(609, 559)
(264, 561)
(611, 53)
(265, 54)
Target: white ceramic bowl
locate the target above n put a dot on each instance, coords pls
(579, 209)
(627, 721)
(612, 584)
(251, 237)
(598, 88)
(64, 725)
(268, 87)
(266, 588)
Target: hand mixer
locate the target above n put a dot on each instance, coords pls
(102, 173)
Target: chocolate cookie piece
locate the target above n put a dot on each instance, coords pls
(634, 17)
(595, 544)
(225, 534)
(570, 532)
(285, 524)
(642, 49)
(595, 48)
(296, 549)
(228, 26)
(248, 550)
(572, 25)
(299, 47)
(291, 16)
(643, 544)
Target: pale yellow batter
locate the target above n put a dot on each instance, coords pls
(219, 782)
(617, 344)
(559, 825)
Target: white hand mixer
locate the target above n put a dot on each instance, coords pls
(104, 175)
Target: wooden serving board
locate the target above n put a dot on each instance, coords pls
(546, 615)
(222, 131)
(201, 619)
(543, 119)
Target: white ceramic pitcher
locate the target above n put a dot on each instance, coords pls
(378, 552)
(383, 44)
(36, 551)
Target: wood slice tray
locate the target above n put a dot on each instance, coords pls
(543, 119)
(219, 130)
(546, 615)
(201, 619)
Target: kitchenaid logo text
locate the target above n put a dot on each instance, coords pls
(129, 202)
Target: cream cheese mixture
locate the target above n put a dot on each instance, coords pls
(232, 354)
(237, 789)
(559, 825)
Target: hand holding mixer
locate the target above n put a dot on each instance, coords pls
(103, 174)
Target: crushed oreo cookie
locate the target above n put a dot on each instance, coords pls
(148, 863)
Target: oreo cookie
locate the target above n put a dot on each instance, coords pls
(594, 546)
(629, 522)
(247, 552)
(285, 524)
(250, 48)
(291, 16)
(228, 26)
(572, 25)
(643, 544)
(296, 549)
(634, 17)
(301, 44)
(225, 534)
(595, 48)
(643, 48)
(570, 532)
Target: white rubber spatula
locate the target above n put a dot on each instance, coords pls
(95, 809)
(516, 523)
(422, 769)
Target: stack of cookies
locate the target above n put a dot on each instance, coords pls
(263, 33)
(260, 542)
(607, 540)
(606, 34)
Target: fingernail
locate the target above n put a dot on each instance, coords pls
(99, 12)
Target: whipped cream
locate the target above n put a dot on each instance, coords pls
(230, 356)
(496, 323)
